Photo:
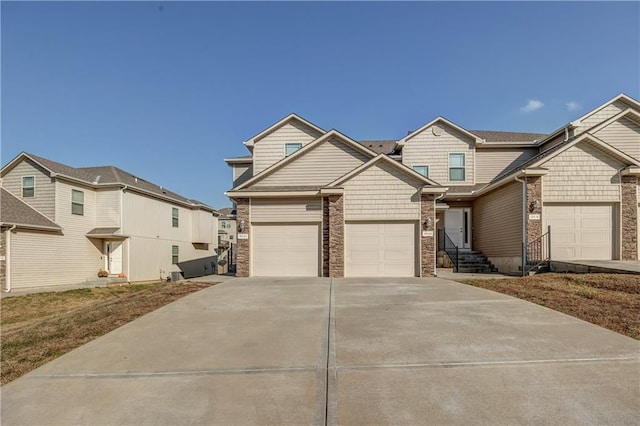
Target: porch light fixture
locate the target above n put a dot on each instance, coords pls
(427, 223)
(241, 226)
(534, 205)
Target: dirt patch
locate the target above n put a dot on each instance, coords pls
(609, 300)
(37, 328)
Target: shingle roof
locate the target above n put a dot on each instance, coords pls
(464, 189)
(279, 188)
(103, 231)
(14, 211)
(380, 146)
(112, 175)
(500, 136)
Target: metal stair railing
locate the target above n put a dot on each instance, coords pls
(537, 252)
(453, 252)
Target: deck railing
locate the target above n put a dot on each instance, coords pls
(537, 252)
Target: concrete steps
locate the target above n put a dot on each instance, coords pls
(475, 262)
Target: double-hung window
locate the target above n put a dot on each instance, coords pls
(175, 251)
(290, 148)
(77, 202)
(456, 168)
(175, 217)
(423, 170)
(28, 186)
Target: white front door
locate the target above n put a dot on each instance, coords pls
(113, 252)
(457, 225)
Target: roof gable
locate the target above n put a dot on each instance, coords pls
(444, 121)
(385, 161)
(288, 119)
(333, 136)
(621, 97)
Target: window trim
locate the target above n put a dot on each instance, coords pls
(33, 187)
(76, 203)
(175, 255)
(426, 168)
(463, 167)
(298, 144)
(175, 217)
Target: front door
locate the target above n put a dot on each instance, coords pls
(113, 251)
(457, 225)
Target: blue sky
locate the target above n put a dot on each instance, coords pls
(167, 90)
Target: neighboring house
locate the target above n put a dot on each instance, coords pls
(61, 225)
(226, 227)
(318, 203)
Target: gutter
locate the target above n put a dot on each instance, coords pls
(7, 258)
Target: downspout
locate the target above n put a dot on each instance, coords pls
(566, 133)
(122, 228)
(7, 270)
(524, 222)
(435, 227)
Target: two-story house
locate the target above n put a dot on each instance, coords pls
(317, 203)
(61, 225)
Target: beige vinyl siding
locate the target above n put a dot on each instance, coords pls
(427, 149)
(148, 223)
(43, 201)
(108, 208)
(624, 135)
(602, 115)
(44, 259)
(320, 166)
(270, 149)
(203, 224)
(241, 173)
(381, 192)
(497, 222)
(490, 162)
(286, 210)
(582, 173)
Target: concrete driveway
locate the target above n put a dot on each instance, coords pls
(347, 351)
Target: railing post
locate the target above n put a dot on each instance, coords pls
(524, 257)
(457, 259)
(549, 243)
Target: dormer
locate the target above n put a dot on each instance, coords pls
(280, 140)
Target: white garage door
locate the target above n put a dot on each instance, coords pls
(580, 231)
(386, 249)
(285, 250)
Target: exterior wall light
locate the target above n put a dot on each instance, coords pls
(534, 205)
(241, 226)
(427, 223)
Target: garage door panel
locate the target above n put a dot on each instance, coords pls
(380, 249)
(580, 231)
(285, 250)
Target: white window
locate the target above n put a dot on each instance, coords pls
(77, 202)
(175, 217)
(456, 167)
(28, 186)
(175, 250)
(423, 170)
(290, 148)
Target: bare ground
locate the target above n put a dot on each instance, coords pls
(609, 300)
(37, 328)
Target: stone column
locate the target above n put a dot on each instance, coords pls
(427, 243)
(629, 215)
(534, 192)
(243, 245)
(325, 237)
(336, 236)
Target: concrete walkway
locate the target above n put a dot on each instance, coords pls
(348, 351)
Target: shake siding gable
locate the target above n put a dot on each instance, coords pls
(381, 192)
(286, 210)
(602, 115)
(320, 166)
(270, 149)
(497, 222)
(491, 162)
(624, 135)
(44, 199)
(428, 149)
(582, 173)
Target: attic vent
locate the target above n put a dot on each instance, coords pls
(437, 130)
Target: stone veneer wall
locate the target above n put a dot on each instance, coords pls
(336, 236)
(427, 244)
(325, 237)
(534, 192)
(629, 215)
(244, 251)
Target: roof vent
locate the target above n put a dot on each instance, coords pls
(97, 179)
(136, 179)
